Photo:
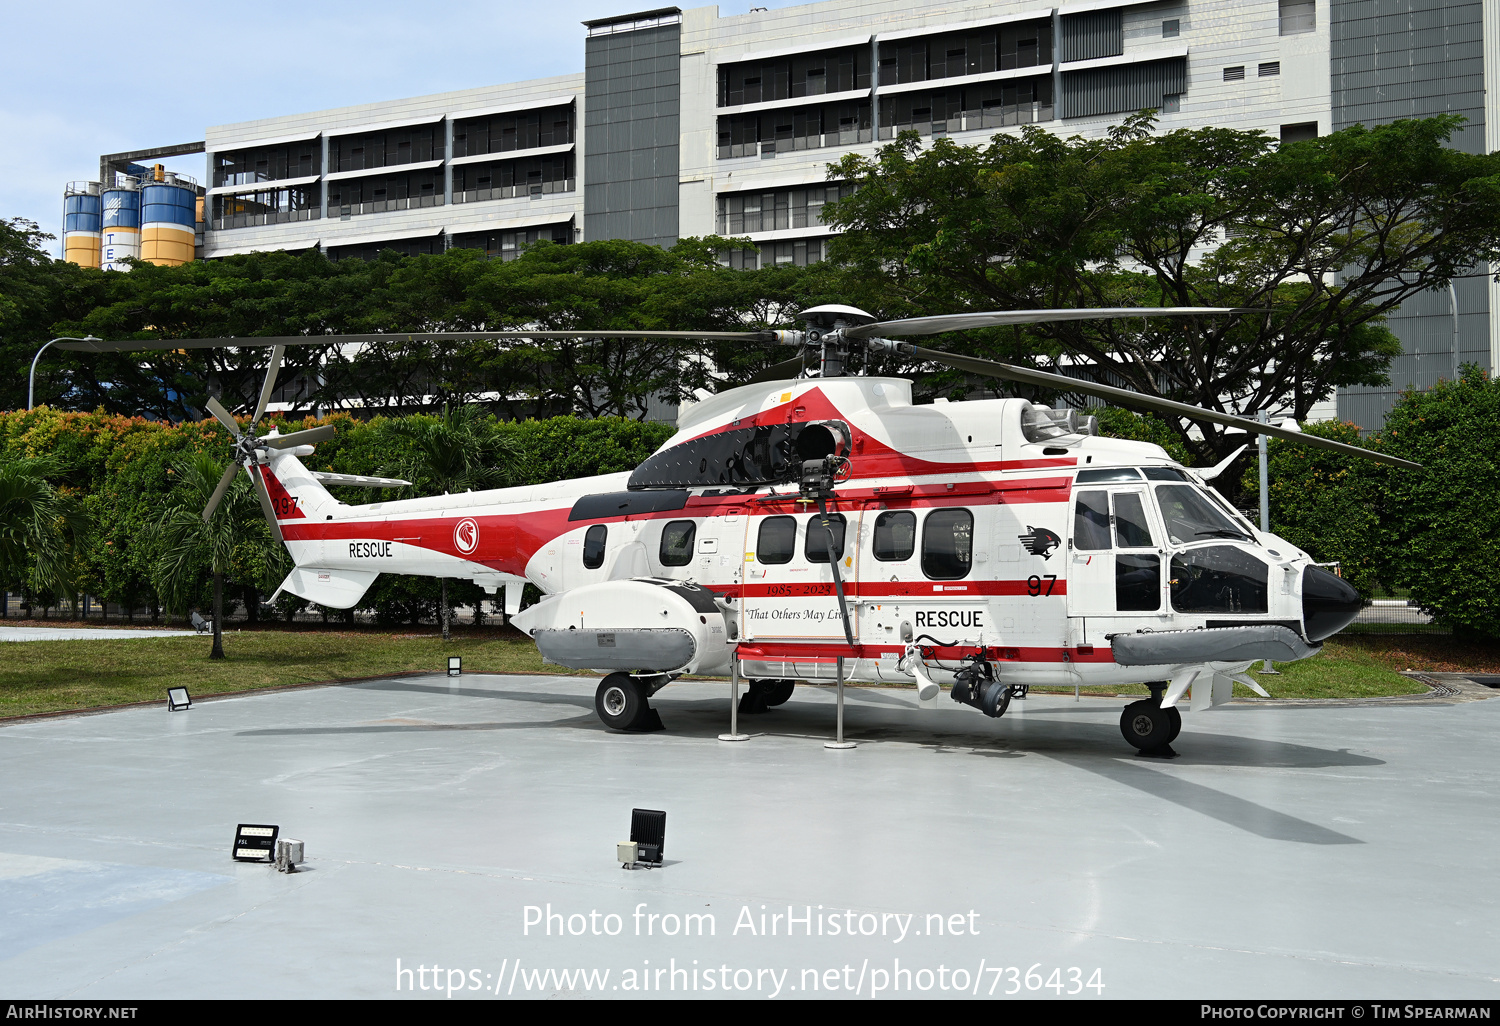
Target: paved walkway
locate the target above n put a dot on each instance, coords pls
(82, 633)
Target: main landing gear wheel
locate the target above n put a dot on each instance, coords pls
(1150, 728)
(621, 702)
(761, 695)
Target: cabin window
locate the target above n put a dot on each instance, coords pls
(593, 546)
(1132, 531)
(895, 536)
(1091, 521)
(778, 540)
(948, 544)
(816, 546)
(677, 542)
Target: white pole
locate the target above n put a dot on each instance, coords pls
(734, 702)
(1265, 500)
(31, 381)
(840, 742)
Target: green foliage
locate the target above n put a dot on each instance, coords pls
(1440, 527)
(1117, 423)
(1327, 503)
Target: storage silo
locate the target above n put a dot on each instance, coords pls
(81, 223)
(122, 224)
(168, 218)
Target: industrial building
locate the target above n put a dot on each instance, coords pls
(685, 123)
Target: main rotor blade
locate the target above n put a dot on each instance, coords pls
(218, 495)
(265, 504)
(167, 345)
(1124, 397)
(994, 318)
(269, 386)
(307, 436)
(224, 416)
(778, 371)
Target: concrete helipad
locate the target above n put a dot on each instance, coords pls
(1290, 852)
(83, 633)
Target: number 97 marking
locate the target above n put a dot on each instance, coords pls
(1035, 584)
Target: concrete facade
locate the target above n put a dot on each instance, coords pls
(685, 123)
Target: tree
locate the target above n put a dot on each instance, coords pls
(460, 450)
(1440, 526)
(35, 525)
(189, 545)
(1321, 239)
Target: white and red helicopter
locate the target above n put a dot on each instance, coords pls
(825, 527)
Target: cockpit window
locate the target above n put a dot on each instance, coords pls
(1091, 521)
(1163, 474)
(1191, 516)
(1108, 475)
(1220, 579)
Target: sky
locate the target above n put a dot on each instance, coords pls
(89, 77)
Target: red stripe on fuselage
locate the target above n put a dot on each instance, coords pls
(827, 652)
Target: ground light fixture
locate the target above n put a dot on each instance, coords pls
(255, 842)
(455, 666)
(648, 836)
(178, 699)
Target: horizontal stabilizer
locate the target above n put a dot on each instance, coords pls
(358, 481)
(336, 589)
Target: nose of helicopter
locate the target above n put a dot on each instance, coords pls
(1329, 603)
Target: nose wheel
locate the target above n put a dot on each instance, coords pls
(1149, 727)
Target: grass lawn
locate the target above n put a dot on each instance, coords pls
(55, 676)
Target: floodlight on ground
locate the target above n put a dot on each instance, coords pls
(178, 698)
(288, 855)
(455, 666)
(648, 830)
(255, 842)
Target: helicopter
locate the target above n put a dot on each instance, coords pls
(818, 525)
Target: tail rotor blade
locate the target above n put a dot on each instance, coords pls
(218, 495)
(223, 416)
(270, 384)
(265, 505)
(304, 437)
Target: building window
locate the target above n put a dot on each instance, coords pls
(1234, 74)
(378, 193)
(1171, 28)
(805, 128)
(987, 106)
(268, 164)
(507, 245)
(1270, 68)
(272, 206)
(787, 78)
(526, 176)
(412, 145)
(430, 244)
(1298, 16)
(742, 213)
(1003, 48)
(1171, 103)
(798, 252)
(1299, 132)
(521, 130)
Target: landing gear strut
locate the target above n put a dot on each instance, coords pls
(622, 702)
(762, 695)
(1149, 727)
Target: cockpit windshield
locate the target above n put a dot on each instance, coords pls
(1190, 516)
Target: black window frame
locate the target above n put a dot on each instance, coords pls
(880, 527)
(928, 555)
(760, 541)
(692, 540)
(591, 545)
(819, 553)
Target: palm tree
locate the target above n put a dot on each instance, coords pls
(461, 449)
(188, 542)
(35, 525)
